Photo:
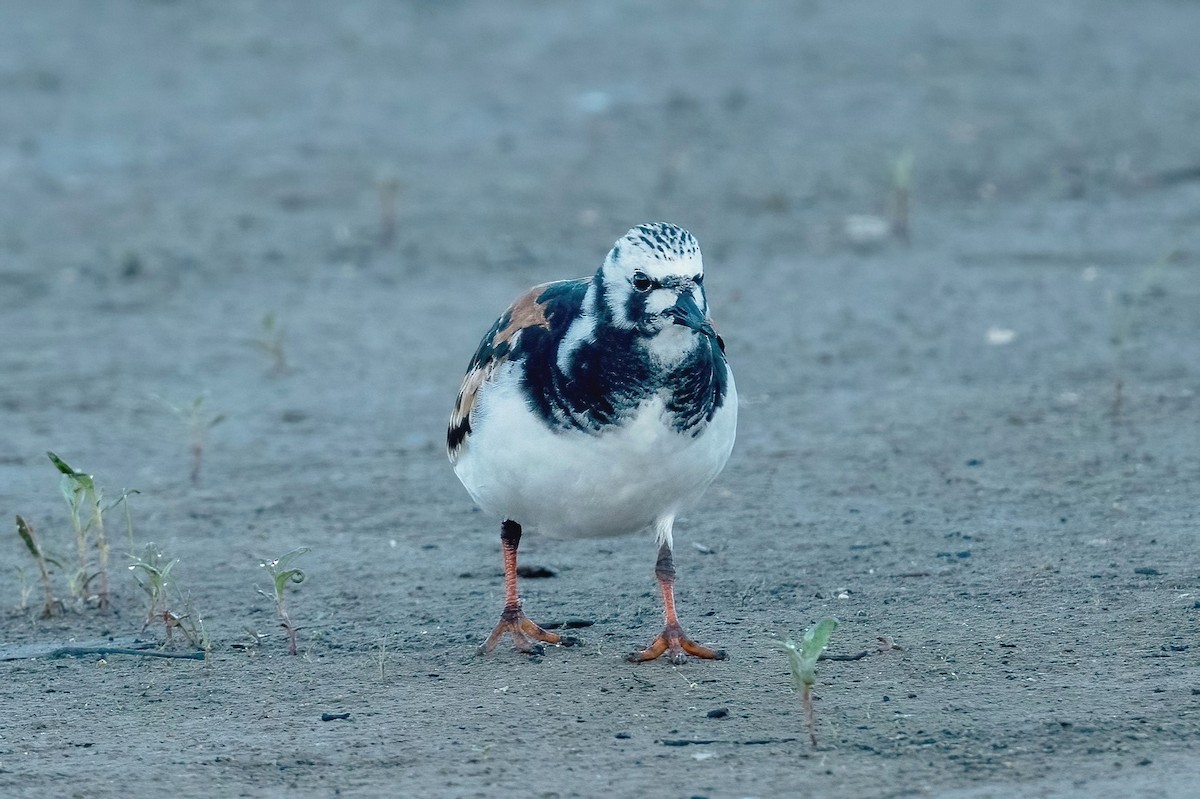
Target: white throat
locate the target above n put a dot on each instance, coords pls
(671, 345)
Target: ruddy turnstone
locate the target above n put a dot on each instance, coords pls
(598, 407)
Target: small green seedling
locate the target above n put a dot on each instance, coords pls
(25, 531)
(282, 572)
(198, 422)
(381, 654)
(87, 520)
(803, 662)
(153, 572)
(270, 343)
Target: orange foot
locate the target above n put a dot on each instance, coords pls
(525, 634)
(673, 642)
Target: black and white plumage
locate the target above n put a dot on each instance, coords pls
(597, 407)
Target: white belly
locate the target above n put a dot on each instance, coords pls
(572, 484)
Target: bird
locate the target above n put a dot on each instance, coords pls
(595, 407)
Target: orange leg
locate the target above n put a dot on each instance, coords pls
(524, 632)
(672, 641)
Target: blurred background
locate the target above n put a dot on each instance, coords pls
(250, 132)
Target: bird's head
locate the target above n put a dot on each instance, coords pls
(653, 282)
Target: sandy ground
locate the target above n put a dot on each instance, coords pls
(983, 446)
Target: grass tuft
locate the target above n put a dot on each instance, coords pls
(153, 572)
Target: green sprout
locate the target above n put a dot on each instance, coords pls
(270, 343)
(803, 662)
(25, 531)
(87, 520)
(198, 422)
(282, 573)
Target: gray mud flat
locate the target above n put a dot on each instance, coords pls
(982, 447)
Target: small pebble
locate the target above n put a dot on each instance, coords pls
(718, 713)
(535, 572)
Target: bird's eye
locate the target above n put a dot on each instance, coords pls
(642, 281)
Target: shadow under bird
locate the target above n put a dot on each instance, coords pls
(599, 407)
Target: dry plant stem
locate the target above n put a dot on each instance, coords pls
(81, 551)
(285, 622)
(25, 529)
(900, 227)
(101, 556)
(129, 519)
(50, 603)
(901, 182)
(24, 588)
(806, 699)
(197, 454)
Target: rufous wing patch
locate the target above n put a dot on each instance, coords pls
(526, 312)
(495, 349)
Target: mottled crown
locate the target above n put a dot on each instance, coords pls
(658, 249)
(662, 241)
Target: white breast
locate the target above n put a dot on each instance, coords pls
(572, 484)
